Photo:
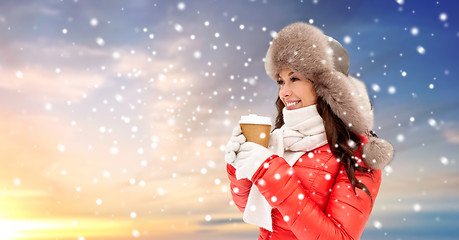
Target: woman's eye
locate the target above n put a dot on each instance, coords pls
(294, 79)
(280, 82)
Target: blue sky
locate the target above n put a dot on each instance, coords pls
(115, 112)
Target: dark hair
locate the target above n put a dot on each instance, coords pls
(338, 137)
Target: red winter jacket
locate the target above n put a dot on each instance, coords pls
(314, 201)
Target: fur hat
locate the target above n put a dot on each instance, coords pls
(305, 49)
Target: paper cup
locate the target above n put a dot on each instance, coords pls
(256, 129)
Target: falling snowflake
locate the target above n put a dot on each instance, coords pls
(181, 6)
(262, 135)
(388, 169)
(377, 224)
(375, 87)
(17, 181)
(351, 143)
(106, 174)
(432, 122)
(135, 233)
(100, 41)
(444, 161)
(391, 90)
(19, 74)
(140, 151)
(114, 150)
(160, 191)
(132, 181)
(116, 55)
(417, 207)
(94, 22)
(178, 27)
(443, 17)
(421, 50)
(48, 106)
(61, 148)
(347, 39)
(197, 54)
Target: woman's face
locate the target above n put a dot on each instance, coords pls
(295, 90)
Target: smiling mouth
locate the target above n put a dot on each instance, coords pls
(289, 104)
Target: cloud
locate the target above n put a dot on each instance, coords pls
(51, 68)
(164, 75)
(452, 136)
(62, 70)
(48, 11)
(38, 80)
(220, 221)
(28, 9)
(30, 145)
(29, 154)
(451, 133)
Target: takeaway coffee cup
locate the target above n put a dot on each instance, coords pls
(256, 128)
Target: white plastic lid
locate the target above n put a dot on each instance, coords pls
(255, 119)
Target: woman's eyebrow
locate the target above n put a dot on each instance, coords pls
(278, 76)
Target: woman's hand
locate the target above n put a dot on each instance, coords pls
(234, 144)
(249, 158)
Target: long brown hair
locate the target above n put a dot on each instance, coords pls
(338, 136)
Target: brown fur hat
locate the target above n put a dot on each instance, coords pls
(305, 49)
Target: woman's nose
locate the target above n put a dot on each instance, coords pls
(285, 91)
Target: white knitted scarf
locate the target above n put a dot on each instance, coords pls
(303, 131)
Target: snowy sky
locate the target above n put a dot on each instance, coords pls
(114, 113)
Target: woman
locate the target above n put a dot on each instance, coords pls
(321, 173)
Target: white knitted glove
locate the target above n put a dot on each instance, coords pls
(249, 158)
(233, 145)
